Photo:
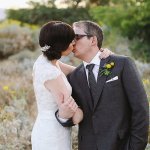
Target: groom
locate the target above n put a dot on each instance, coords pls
(111, 95)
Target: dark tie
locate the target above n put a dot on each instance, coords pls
(92, 81)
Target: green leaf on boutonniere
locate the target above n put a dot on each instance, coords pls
(106, 69)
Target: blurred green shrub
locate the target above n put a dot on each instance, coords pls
(15, 38)
(133, 22)
(42, 14)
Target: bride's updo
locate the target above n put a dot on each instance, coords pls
(54, 38)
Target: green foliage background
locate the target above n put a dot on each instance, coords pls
(129, 17)
(43, 14)
(126, 26)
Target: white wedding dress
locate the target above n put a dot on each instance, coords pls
(47, 133)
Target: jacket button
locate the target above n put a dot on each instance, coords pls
(94, 117)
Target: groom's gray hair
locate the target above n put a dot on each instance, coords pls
(91, 28)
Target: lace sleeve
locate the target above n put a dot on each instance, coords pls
(46, 73)
(50, 73)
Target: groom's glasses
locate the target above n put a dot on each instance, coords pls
(79, 36)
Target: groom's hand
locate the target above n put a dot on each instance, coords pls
(67, 109)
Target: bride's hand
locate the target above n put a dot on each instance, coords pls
(73, 105)
(68, 108)
(105, 53)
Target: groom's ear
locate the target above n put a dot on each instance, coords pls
(94, 41)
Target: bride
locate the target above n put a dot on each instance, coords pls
(52, 88)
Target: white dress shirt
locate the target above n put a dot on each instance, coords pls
(96, 62)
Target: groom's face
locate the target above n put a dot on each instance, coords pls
(82, 43)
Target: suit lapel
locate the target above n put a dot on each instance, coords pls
(101, 79)
(82, 78)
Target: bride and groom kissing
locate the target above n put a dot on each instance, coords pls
(104, 95)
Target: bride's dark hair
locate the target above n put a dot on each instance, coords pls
(58, 35)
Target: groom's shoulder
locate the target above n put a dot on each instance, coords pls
(76, 71)
(79, 67)
(120, 58)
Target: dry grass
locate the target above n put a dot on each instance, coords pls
(17, 105)
(17, 102)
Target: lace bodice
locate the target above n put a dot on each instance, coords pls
(44, 70)
(47, 133)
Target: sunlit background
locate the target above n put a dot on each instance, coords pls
(17, 4)
(126, 27)
(13, 4)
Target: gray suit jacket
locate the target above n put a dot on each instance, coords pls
(119, 119)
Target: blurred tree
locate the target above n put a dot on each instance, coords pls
(42, 14)
(48, 3)
(99, 2)
(133, 21)
(132, 17)
(72, 4)
(137, 27)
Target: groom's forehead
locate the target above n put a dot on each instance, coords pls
(78, 30)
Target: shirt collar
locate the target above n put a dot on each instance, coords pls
(95, 60)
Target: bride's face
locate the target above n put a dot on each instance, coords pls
(69, 49)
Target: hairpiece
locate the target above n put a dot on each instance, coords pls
(45, 48)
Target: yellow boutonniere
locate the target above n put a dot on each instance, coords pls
(105, 70)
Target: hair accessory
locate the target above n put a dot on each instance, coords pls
(45, 48)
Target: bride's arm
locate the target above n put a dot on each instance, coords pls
(58, 88)
(66, 69)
